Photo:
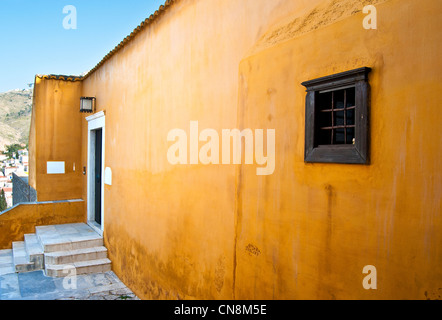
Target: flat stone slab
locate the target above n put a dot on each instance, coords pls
(5, 257)
(65, 233)
(6, 262)
(33, 246)
(21, 261)
(68, 237)
(36, 286)
(34, 283)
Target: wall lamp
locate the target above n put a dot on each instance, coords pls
(87, 104)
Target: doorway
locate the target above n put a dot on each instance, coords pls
(95, 181)
(98, 174)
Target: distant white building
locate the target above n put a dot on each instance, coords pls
(23, 158)
(10, 170)
(3, 181)
(23, 152)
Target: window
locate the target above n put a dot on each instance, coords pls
(336, 119)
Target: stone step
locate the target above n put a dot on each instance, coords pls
(20, 258)
(68, 237)
(6, 262)
(34, 251)
(72, 256)
(57, 249)
(5, 257)
(59, 245)
(78, 268)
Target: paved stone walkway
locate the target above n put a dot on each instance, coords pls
(36, 286)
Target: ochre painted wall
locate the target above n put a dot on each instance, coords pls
(23, 219)
(56, 135)
(170, 229)
(307, 231)
(317, 225)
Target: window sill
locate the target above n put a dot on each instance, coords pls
(342, 154)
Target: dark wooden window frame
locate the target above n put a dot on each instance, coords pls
(357, 153)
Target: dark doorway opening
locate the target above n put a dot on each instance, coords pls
(98, 173)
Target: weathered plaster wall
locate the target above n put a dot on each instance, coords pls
(22, 219)
(170, 229)
(56, 135)
(314, 227)
(324, 14)
(221, 232)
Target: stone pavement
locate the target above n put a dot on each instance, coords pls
(36, 286)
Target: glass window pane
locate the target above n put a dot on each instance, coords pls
(350, 135)
(324, 101)
(339, 99)
(324, 137)
(350, 117)
(351, 97)
(339, 137)
(339, 118)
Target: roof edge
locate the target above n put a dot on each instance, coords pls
(59, 77)
(153, 17)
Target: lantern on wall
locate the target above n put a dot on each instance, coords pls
(87, 104)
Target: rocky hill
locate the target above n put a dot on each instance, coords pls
(15, 117)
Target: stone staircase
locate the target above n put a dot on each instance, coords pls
(60, 249)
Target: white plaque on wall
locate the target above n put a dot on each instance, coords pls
(108, 176)
(56, 167)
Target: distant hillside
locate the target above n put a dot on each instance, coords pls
(15, 116)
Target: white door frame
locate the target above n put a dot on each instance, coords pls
(95, 121)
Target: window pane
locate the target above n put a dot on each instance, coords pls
(327, 121)
(339, 118)
(350, 117)
(351, 97)
(339, 99)
(324, 101)
(323, 119)
(324, 137)
(339, 137)
(350, 135)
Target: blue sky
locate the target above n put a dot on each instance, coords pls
(34, 41)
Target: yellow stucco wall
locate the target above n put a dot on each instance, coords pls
(318, 225)
(56, 136)
(23, 219)
(307, 231)
(170, 230)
